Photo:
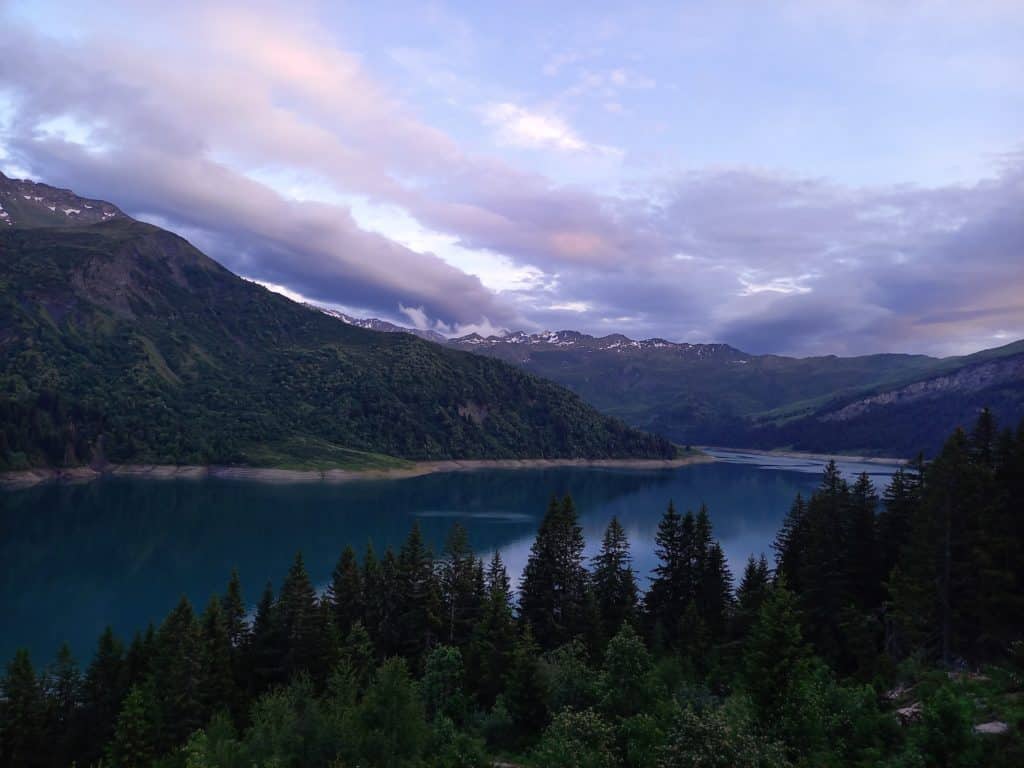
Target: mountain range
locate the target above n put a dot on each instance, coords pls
(121, 342)
(715, 394)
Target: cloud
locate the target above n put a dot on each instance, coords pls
(206, 132)
(522, 128)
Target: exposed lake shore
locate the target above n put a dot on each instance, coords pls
(30, 477)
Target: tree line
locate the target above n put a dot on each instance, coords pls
(412, 659)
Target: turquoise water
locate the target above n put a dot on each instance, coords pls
(122, 551)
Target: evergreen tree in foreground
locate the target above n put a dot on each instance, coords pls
(614, 582)
(554, 587)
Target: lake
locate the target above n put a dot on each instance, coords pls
(122, 551)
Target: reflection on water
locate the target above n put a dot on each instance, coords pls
(122, 551)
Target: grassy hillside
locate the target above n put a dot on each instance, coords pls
(120, 341)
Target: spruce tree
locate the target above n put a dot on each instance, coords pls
(775, 656)
(864, 571)
(300, 619)
(526, 691)
(716, 591)
(345, 592)
(63, 691)
(614, 583)
(216, 681)
(672, 586)
(103, 691)
(494, 637)
(22, 715)
(460, 592)
(233, 607)
(750, 594)
(553, 593)
(177, 669)
(265, 653)
(135, 741)
(418, 599)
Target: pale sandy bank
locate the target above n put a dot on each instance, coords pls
(28, 478)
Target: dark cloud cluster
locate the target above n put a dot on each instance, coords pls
(763, 261)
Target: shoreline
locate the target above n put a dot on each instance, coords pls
(28, 478)
(781, 453)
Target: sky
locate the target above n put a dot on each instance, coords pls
(799, 177)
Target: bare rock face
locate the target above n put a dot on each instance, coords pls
(25, 203)
(995, 728)
(970, 379)
(910, 714)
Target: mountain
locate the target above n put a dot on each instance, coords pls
(892, 404)
(383, 326)
(119, 341)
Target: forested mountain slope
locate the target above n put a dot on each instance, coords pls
(120, 341)
(715, 394)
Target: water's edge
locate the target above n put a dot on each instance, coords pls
(30, 477)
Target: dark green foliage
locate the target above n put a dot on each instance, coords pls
(345, 592)
(526, 690)
(135, 736)
(265, 654)
(186, 363)
(233, 607)
(716, 738)
(614, 583)
(554, 588)
(577, 739)
(22, 714)
(707, 397)
(775, 655)
(462, 588)
(418, 608)
(750, 594)
(393, 730)
(494, 637)
(769, 676)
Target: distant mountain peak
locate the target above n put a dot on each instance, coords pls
(616, 342)
(25, 203)
(375, 324)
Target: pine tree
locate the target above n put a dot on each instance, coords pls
(460, 592)
(233, 608)
(614, 582)
(673, 586)
(900, 501)
(22, 715)
(359, 657)
(267, 647)
(494, 637)
(864, 572)
(300, 619)
(374, 597)
(178, 671)
(750, 594)
(138, 662)
(63, 691)
(935, 588)
(526, 692)
(419, 600)
(716, 593)
(775, 656)
(216, 678)
(103, 691)
(553, 593)
(345, 592)
(791, 543)
(134, 744)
